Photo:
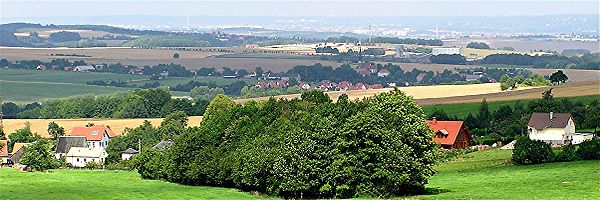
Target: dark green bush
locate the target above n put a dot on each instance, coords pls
(528, 152)
(589, 150)
(566, 154)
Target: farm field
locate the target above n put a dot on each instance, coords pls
(418, 92)
(22, 92)
(566, 90)
(527, 45)
(485, 174)
(40, 126)
(26, 75)
(98, 55)
(463, 109)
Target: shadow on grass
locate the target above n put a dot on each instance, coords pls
(435, 191)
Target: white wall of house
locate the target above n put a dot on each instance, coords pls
(102, 143)
(81, 161)
(547, 134)
(126, 156)
(570, 128)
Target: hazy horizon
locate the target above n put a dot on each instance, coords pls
(14, 10)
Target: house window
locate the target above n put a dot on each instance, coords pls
(84, 160)
(77, 159)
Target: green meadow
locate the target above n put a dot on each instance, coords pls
(485, 174)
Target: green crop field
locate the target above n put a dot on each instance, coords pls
(485, 174)
(30, 92)
(20, 85)
(25, 75)
(463, 109)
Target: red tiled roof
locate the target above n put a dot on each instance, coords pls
(93, 133)
(450, 128)
(4, 149)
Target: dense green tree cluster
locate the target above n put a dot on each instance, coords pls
(327, 49)
(137, 104)
(511, 83)
(64, 36)
(587, 61)
(478, 45)
(303, 148)
(454, 59)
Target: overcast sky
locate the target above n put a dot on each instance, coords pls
(25, 9)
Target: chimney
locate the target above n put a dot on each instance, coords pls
(551, 115)
(434, 120)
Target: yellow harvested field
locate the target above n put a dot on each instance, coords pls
(96, 54)
(40, 126)
(566, 90)
(418, 92)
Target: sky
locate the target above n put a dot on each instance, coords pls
(10, 9)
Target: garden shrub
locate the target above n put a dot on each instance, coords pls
(566, 153)
(528, 152)
(589, 150)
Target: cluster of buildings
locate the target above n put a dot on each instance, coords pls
(553, 128)
(84, 145)
(81, 68)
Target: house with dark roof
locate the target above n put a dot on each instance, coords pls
(128, 153)
(554, 128)
(65, 143)
(17, 152)
(163, 145)
(450, 134)
(96, 136)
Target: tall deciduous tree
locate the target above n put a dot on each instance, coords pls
(559, 77)
(484, 116)
(55, 130)
(39, 156)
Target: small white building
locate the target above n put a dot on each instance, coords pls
(84, 68)
(129, 153)
(445, 50)
(80, 156)
(554, 128)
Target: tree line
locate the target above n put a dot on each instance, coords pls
(587, 61)
(151, 103)
(301, 148)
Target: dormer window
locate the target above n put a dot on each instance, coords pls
(442, 133)
(94, 132)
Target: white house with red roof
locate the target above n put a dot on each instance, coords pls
(96, 136)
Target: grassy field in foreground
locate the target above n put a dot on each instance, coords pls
(479, 175)
(463, 109)
(84, 184)
(489, 175)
